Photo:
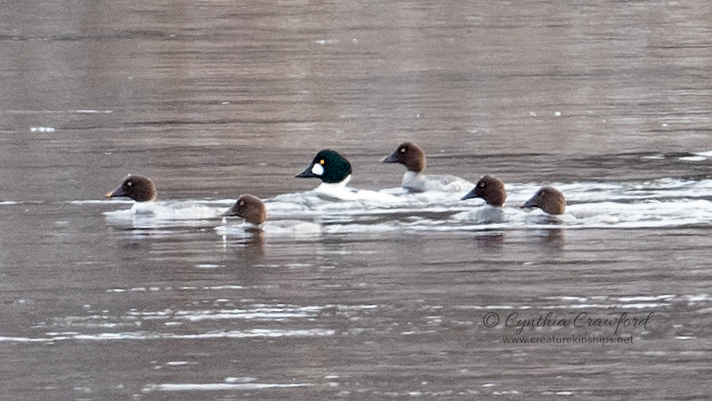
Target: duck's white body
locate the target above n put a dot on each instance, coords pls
(419, 182)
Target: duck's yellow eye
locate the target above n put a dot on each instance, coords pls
(321, 161)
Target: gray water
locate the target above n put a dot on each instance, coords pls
(214, 99)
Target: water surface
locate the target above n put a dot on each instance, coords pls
(609, 102)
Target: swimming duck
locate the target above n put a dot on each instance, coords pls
(334, 171)
(490, 189)
(136, 187)
(147, 213)
(413, 158)
(253, 211)
(250, 208)
(548, 199)
(329, 166)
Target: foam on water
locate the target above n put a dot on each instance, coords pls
(665, 202)
(163, 214)
(222, 386)
(276, 228)
(145, 335)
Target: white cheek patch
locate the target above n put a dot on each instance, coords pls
(317, 169)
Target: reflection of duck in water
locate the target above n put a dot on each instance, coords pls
(413, 158)
(492, 191)
(548, 199)
(136, 187)
(253, 211)
(552, 238)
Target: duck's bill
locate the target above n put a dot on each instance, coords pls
(119, 192)
(529, 204)
(229, 212)
(470, 195)
(307, 174)
(393, 158)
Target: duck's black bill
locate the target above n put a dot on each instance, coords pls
(118, 193)
(307, 174)
(393, 158)
(230, 212)
(470, 195)
(529, 204)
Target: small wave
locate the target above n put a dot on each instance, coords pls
(603, 302)
(163, 214)
(665, 202)
(273, 228)
(222, 386)
(122, 336)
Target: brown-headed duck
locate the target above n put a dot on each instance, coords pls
(253, 211)
(136, 187)
(548, 199)
(250, 208)
(413, 158)
(490, 189)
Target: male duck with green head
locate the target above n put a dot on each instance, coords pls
(334, 171)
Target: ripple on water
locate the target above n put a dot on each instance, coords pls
(665, 202)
